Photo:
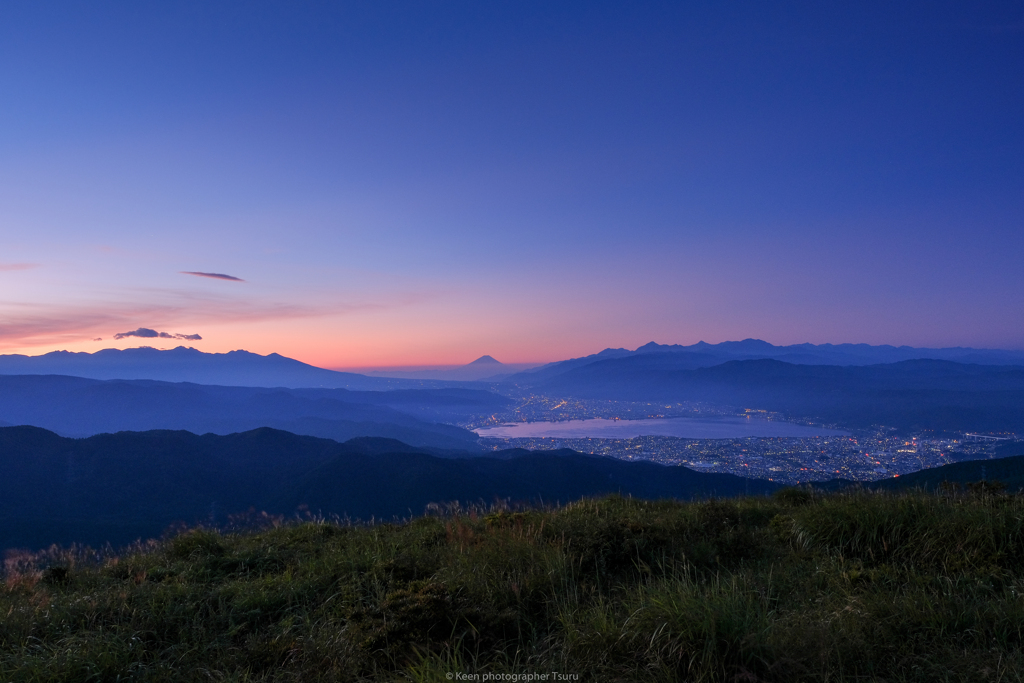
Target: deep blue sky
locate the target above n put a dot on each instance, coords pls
(428, 182)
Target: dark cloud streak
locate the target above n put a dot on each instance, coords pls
(146, 333)
(216, 276)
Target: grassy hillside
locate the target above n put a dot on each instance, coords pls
(865, 587)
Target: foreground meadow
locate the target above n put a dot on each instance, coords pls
(798, 587)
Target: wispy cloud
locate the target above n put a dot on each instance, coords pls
(147, 333)
(4, 267)
(216, 276)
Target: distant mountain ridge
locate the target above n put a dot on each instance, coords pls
(703, 354)
(186, 364)
(910, 395)
(243, 368)
(76, 406)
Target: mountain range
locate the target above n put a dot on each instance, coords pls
(910, 395)
(242, 368)
(78, 407)
(844, 386)
(150, 452)
(702, 354)
(185, 364)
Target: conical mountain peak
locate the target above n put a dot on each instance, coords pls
(486, 360)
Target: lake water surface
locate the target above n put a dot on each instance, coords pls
(730, 427)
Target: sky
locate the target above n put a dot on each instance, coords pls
(414, 183)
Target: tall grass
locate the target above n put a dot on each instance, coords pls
(800, 587)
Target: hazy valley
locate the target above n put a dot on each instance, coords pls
(900, 415)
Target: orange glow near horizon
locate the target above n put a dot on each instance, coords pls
(402, 330)
(355, 353)
(331, 360)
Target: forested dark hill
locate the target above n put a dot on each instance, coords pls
(119, 487)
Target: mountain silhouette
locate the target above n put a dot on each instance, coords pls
(911, 395)
(186, 364)
(75, 406)
(120, 487)
(703, 354)
(485, 368)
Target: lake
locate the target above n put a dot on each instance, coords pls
(683, 427)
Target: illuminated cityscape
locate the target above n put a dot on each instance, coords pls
(863, 455)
